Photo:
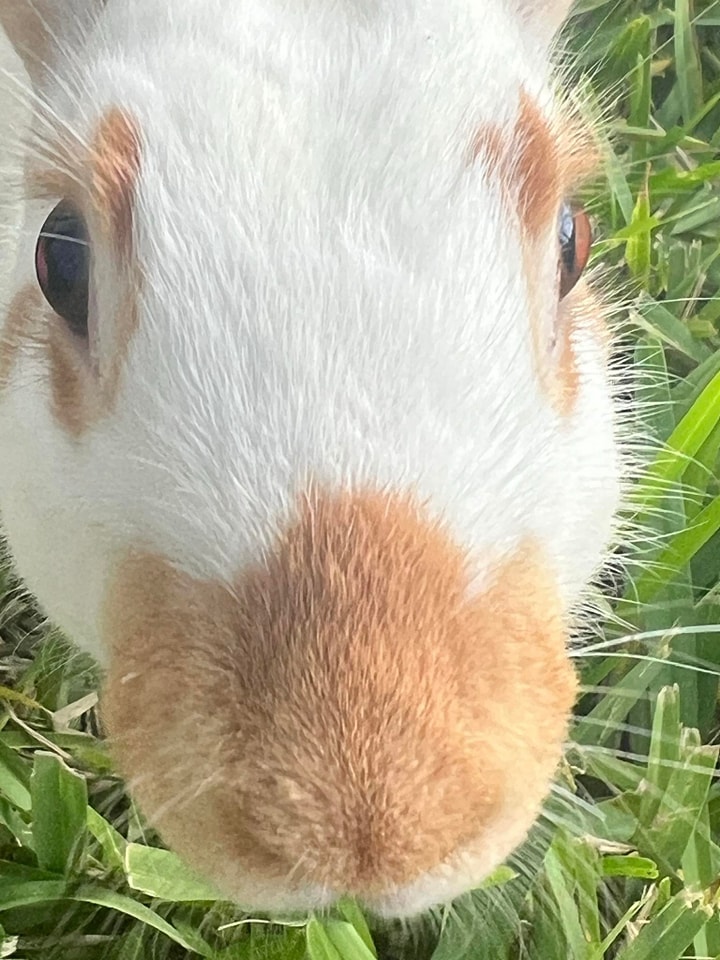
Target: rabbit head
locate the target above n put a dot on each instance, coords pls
(306, 424)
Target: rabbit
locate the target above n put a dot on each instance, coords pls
(308, 425)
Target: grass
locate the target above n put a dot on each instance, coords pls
(625, 862)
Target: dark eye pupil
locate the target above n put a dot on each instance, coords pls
(62, 262)
(575, 239)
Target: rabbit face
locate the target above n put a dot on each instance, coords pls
(303, 399)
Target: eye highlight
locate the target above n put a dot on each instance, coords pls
(62, 264)
(575, 238)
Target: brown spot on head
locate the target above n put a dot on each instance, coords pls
(22, 329)
(344, 716)
(114, 168)
(540, 162)
(537, 175)
(75, 398)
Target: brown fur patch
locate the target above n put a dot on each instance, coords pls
(74, 396)
(115, 166)
(343, 715)
(20, 330)
(541, 162)
(536, 174)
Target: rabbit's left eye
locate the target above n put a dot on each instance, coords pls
(575, 238)
(62, 263)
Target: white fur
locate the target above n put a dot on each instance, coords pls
(332, 293)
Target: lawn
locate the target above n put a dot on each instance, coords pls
(625, 862)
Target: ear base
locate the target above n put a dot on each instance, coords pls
(37, 29)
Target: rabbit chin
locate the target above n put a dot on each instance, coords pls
(463, 870)
(258, 883)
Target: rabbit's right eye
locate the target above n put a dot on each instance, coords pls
(62, 263)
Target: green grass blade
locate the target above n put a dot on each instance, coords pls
(162, 874)
(58, 840)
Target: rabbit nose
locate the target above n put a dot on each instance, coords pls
(342, 713)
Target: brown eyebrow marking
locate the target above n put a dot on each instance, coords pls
(536, 173)
(101, 180)
(540, 161)
(115, 166)
(555, 155)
